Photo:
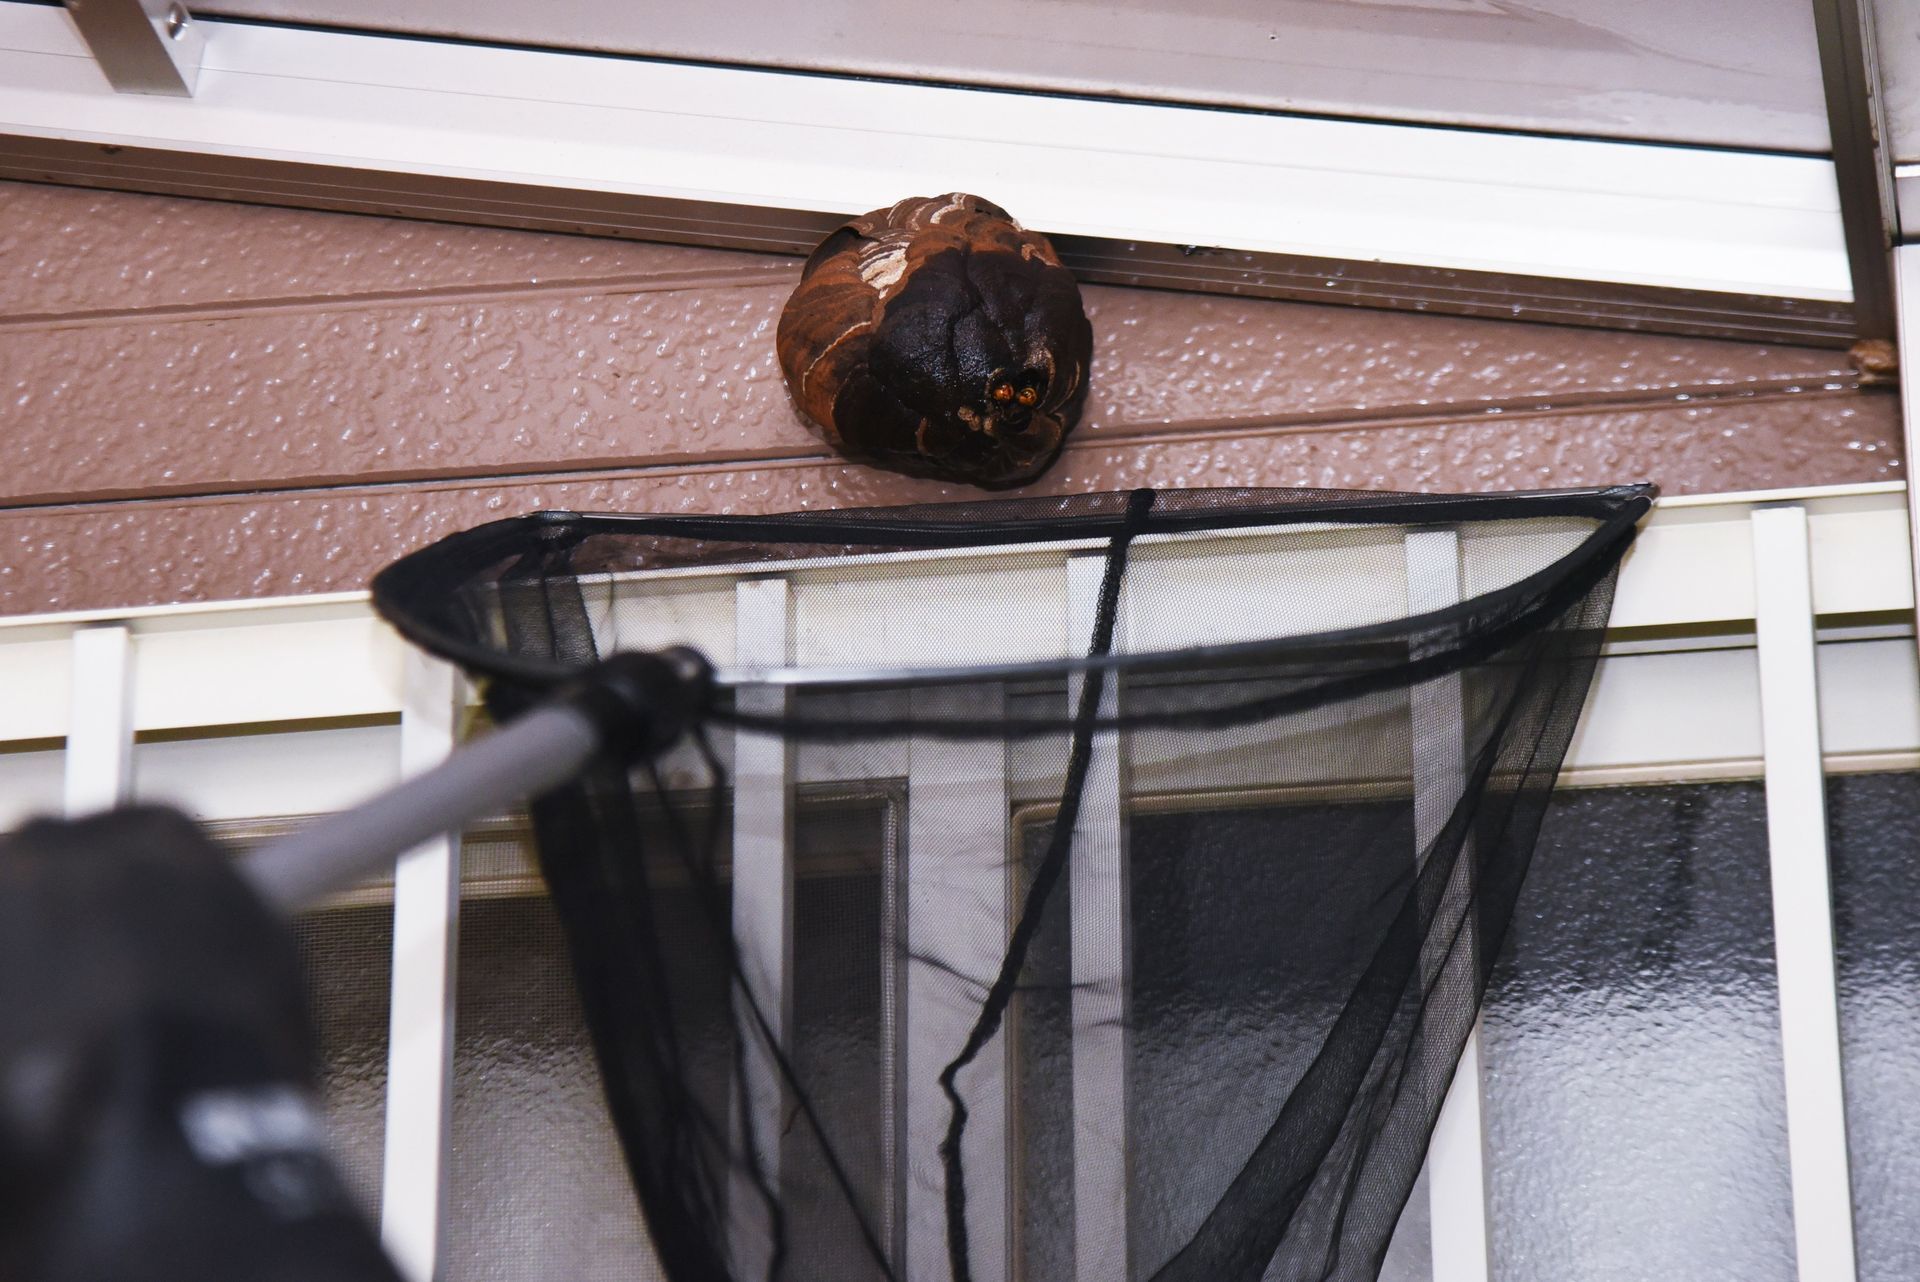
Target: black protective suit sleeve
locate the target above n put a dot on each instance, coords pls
(157, 1111)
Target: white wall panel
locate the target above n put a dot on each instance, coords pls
(30, 785)
(247, 776)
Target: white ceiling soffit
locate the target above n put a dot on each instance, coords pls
(1482, 223)
(1657, 70)
(1898, 23)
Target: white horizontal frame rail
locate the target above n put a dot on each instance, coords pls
(208, 669)
(417, 1144)
(1802, 897)
(99, 762)
(1456, 1154)
(763, 891)
(1631, 213)
(1102, 950)
(958, 890)
(208, 665)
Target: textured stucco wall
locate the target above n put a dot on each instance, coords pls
(201, 401)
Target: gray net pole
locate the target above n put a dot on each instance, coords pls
(541, 750)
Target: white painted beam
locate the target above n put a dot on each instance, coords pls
(1102, 967)
(763, 894)
(1906, 297)
(1456, 1154)
(1802, 897)
(99, 765)
(958, 917)
(414, 1189)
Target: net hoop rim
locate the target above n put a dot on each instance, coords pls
(402, 587)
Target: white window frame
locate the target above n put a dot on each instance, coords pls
(1789, 576)
(580, 127)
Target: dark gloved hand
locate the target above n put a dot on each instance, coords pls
(157, 1116)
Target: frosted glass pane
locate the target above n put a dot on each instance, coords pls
(1235, 984)
(539, 1185)
(1876, 910)
(842, 1036)
(539, 1188)
(347, 954)
(1635, 1112)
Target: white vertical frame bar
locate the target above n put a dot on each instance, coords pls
(762, 916)
(1906, 297)
(99, 759)
(958, 887)
(1456, 1155)
(414, 1190)
(1802, 896)
(1102, 955)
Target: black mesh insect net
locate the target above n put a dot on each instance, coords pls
(1096, 887)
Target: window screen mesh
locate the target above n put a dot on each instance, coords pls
(346, 954)
(1208, 812)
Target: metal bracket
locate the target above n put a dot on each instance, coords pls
(143, 46)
